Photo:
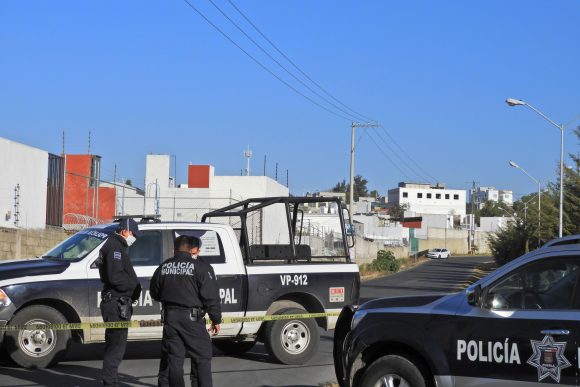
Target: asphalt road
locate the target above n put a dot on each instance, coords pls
(139, 369)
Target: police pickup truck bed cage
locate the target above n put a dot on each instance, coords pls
(295, 251)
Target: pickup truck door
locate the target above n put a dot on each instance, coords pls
(218, 250)
(146, 255)
(526, 329)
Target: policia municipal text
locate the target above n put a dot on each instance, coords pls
(120, 288)
(187, 288)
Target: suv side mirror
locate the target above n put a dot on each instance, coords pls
(474, 295)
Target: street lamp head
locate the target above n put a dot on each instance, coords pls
(514, 102)
(512, 164)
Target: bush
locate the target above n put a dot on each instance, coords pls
(386, 261)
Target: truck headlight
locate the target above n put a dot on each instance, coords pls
(4, 299)
(357, 318)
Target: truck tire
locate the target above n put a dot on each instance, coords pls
(38, 348)
(292, 341)
(232, 347)
(392, 370)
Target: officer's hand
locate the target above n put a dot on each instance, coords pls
(214, 329)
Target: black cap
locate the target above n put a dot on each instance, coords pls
(130, 225)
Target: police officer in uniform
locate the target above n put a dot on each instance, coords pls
(120, 288)
(187, 289)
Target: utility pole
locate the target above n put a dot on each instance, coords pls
(115, 174)
(351, 193)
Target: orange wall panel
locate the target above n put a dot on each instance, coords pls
(198, 176)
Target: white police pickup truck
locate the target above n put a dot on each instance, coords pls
(255, 280)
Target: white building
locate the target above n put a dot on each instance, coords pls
(429, 199)
(204, 192)
(492, 224)
(484, 194)
(23, 181)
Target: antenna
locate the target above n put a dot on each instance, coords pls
(248, 156)
(89, 142)
(63, 143)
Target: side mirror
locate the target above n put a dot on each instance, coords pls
(349, 229)
(474, 295)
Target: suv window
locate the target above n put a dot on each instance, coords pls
(146, 251)
(547, 284)
(212, 250)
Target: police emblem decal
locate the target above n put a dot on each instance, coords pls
(117, 255)
(548, 358)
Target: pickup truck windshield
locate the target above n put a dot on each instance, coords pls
(79, 245)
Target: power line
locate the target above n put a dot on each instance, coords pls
(406, 154)
(410, 167)
(278, 63)
(260, 64)
(388, 158)
(294, 64)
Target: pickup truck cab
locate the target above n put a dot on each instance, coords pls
(254, 280)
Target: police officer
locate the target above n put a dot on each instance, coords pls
(120, 288)
(187, 289)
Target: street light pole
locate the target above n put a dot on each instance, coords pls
(518, 102)
(512, 164)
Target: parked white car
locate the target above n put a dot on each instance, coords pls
(438, 253)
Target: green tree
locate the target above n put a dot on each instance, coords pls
(360, 187)
(397, 211)
(509, 242)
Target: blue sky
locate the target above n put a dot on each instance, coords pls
(153, 76)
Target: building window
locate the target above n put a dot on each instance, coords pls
(446, 196)
(405, 194)
(456, 197)
(437, 196)
(419, 195)
(428, 196)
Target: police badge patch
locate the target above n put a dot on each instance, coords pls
(117, 255)
(548, 358)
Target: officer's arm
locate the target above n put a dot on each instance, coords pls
(209, 294)
(116, 274)
(155, 284)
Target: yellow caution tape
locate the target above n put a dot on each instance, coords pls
(157, 323)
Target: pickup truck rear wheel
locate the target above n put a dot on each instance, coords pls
(231, 347)
(37, 348)
(292, 341)
(392, 370)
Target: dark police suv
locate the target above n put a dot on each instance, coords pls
(519, 326)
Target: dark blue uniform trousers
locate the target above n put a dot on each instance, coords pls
(115, 343)
(183, 336)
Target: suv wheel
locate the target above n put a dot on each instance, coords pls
(392, 370)
(37, 348)
(292, 341)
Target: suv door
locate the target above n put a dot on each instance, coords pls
(525, 330)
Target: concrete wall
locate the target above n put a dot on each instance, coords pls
(29, 243)
(366, 251)
(28, 167)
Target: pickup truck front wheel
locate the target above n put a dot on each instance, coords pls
(392, 370)
(37, 348)
(292, 341)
